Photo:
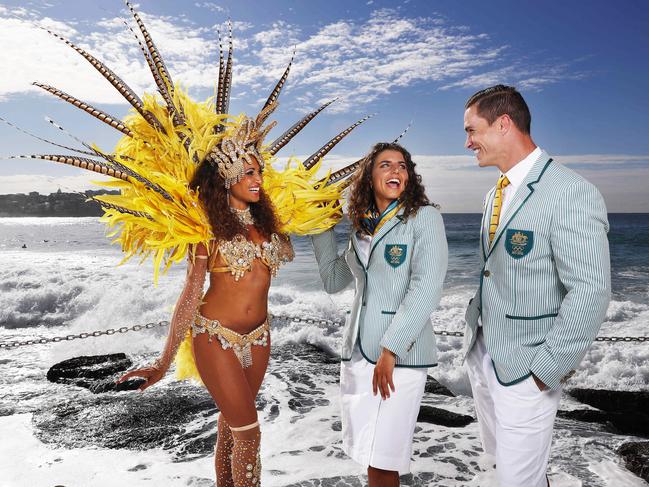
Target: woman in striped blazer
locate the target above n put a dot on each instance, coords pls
(397, 257)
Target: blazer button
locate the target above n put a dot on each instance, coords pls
(486, 273)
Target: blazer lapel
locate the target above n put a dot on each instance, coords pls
(521, 197)
(354, 240)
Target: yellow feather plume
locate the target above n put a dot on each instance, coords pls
(177, 221)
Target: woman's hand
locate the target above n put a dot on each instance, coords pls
(382, 378)
(151, 375)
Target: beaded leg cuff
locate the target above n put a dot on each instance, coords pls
(246, 462)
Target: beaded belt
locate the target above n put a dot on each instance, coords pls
(240, 344)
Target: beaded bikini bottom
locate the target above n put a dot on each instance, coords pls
(240, 344)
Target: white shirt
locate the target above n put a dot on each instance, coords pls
(364, 243)
(516, 176)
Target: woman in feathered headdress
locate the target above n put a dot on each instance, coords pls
(197, 184)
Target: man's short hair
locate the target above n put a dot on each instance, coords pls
(499, 100)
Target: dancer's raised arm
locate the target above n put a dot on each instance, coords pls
(181, 320)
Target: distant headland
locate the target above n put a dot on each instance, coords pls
(54, 204)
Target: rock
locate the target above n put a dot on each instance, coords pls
(434, 387)
(625, 410)
(96, 372)
(307, 352)
(615, 401)
(176, 416)
(430, 414)
(585, 415)
(636, 424)
(636, 458)
(181, 419)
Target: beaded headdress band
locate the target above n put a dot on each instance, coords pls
(240, 146)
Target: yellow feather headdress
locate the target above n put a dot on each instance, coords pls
(167, 135)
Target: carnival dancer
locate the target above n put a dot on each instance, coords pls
(397, 258)
(231, 331)
(197, 185)
(544, 287)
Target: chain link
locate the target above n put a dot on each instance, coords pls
(109, 331)
(289, 318)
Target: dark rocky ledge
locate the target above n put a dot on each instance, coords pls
(434, 387)
(430, 414)
(636, 458)
(626, 411)
(97, 372)
(54, 204)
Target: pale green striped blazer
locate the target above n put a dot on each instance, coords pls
(545, 282)
(397, 291)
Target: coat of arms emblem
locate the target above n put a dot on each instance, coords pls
(518, 243)
(395, 254)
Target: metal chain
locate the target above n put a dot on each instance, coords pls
(109, 331)
(289, 318)
(622, 339)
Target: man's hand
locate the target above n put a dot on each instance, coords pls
(539, 383)
(382, 378)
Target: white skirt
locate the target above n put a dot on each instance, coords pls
(379, 433)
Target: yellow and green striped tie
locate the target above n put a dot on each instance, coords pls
(495, 212)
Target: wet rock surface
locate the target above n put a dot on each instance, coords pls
(626, 411)
(97, 373)
(155, 419)
(431, 414)
(616, 401)
(302, 383)
(636, 458)
(434, 387)
(615, 422)
(180, 416)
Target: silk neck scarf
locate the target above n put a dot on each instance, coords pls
(373, 220)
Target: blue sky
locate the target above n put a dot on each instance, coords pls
(581, 65)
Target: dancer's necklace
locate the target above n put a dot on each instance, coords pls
(244, 215)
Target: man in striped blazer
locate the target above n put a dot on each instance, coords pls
(544, 286)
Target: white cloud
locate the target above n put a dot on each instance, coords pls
(210, 6)
(526, 77)
(362, 60)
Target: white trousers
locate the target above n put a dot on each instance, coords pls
(515, 421)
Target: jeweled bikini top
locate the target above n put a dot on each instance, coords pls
(239, 255)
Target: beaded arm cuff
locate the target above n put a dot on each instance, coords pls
(183, 316)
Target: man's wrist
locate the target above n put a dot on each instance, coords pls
(387, 351)
(539, 383)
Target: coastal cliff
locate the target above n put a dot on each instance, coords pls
(55, 204)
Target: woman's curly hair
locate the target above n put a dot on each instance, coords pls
(362, 195)
(214, 197)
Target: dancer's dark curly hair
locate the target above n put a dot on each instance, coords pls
(214, 197)
(362, 196)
